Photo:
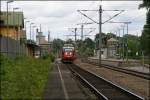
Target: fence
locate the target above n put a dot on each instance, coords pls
(11, 47)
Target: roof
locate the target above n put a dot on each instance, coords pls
(112, 40)
(68, 45)
(14, 19)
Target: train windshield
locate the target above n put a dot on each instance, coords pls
(68, 49)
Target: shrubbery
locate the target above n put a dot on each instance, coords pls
(46, 56)
(23, 77)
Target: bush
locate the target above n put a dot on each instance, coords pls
(48, 56)
(23, 77)
(52, 57)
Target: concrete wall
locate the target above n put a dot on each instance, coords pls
(103, 53)
(11, 47)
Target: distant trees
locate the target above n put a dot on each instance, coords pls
(70, 41)
(86, 47)
(133, 43)
(57, 45)
(104, 38)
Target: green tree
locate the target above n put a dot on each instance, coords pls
(133, 45)
(145, 37)
(70, 41)
(145, 40)
(110, 35)
(57, 45)
(89, 43)
(86, 47)
(145, 4)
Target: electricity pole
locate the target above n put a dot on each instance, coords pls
(100, 31)
(82, 32)
(82, 29)
(123, 42)
(100, 24)
(75, 34)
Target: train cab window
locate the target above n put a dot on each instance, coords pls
(68, 49)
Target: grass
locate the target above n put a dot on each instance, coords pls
(23, 77)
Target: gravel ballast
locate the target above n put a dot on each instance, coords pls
(132, 83)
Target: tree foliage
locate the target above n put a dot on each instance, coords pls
(133, 44)
(104, 38)
(57, 45)
(145, 4)
(86, 47)
(145, 37)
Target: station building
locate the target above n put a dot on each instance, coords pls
(12, 24)
(109, 50)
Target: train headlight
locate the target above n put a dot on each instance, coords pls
(70, 53)
(65, 53)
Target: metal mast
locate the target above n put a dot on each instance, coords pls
(100, 31)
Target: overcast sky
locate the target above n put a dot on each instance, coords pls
(58, 16)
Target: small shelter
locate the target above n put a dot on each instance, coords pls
(112, 48)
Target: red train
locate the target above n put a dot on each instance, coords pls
(68, 53)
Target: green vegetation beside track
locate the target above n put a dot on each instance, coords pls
(23, 77)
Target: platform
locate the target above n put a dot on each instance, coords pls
(61, 85)
(131, 65)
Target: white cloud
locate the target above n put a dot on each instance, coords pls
(58, 16)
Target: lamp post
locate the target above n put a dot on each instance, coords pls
(123, 42)
(14, 21)
(127, 40)
(25, 29)
(15, 24)
(33, 32)
(7, 24)
(25, 24)
(30, 31)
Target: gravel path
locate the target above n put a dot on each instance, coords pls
(134, 84)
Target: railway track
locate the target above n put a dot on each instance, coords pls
(127, 71)
(104, 89)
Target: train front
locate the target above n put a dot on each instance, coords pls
(68, 54)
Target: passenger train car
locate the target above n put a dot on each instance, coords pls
(68, 53)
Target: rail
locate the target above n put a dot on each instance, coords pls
(127, 71)
(103, 88)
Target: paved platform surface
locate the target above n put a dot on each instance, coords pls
(62, 86)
